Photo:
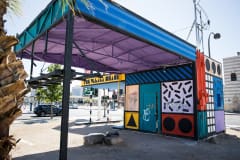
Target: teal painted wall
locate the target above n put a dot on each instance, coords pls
(150, 107)
(202, 124)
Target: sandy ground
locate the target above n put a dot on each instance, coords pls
(40, 141)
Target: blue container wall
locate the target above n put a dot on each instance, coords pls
(161, 75)
(218, 93)
(150, 116)
(150, 107)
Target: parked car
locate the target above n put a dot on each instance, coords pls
(45, 109)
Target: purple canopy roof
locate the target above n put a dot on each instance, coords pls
(98, 48)
(124, 48)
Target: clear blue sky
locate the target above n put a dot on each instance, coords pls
(172, 15)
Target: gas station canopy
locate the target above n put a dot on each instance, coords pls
(106, 38)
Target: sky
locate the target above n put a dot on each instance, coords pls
(175, 16)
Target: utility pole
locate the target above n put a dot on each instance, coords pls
(196, 23)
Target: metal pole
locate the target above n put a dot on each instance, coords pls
(196, 26)
(104, 103)
(209, 53)
(118, 93)
(66, 86)
(108, 105)
(195, 97)
(32, 52)
(90, 119)
(46, 43)
(201, 31)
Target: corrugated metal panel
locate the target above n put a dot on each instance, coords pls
(150, 107)
(202, 125)
(161, 75)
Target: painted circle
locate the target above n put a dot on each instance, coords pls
(213, 67)
(185, 125)
(169, 124)
(219, 71)
(207, 64)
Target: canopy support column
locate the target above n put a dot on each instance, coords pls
(32, 53)
(195, 98)
(66, 87)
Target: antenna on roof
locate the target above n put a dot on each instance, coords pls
(199, 24)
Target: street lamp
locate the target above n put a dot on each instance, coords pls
(215, 36)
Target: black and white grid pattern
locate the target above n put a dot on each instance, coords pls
(210, 105)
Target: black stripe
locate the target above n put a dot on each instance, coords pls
(169, 94)
(180, 85)
(188, 96)
(177, 96)
(165, 98)
(177, 91)
(190, 88)
(165, 91)
(189, 105)
(188, 82)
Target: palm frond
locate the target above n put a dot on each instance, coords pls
(70, 4)
(14, 6)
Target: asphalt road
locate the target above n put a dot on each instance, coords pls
(232, 120)
(82, 114)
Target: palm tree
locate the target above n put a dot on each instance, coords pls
(12, 85)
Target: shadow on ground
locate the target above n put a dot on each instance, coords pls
(86, 129)
(142, 146)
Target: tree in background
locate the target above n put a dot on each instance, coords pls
(51, 93)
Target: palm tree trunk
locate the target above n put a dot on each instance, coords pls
(3, 9)
(11, 91)
(4, 131)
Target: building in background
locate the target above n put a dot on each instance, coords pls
(77, 91)
(76, 95)
(232, 83)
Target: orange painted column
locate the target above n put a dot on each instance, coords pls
(201, 82)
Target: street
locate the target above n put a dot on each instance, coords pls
(232, 120)
(82, 114)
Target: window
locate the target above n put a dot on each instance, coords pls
(233, 77)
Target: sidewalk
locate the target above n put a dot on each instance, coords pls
(40, 138)
(41, 142)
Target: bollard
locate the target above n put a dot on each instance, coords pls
(90, 119)
(108, 111)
